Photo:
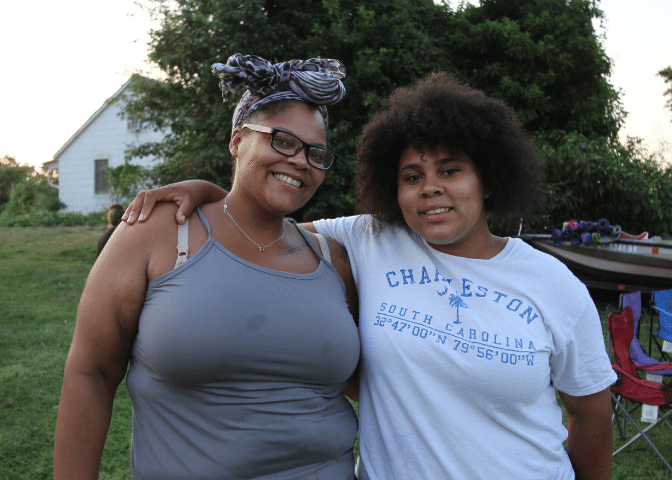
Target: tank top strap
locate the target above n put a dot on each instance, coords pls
(204, 221)
(326, 256)
(324, 246)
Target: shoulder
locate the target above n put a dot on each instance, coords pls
(333, 246)
(337, 252)
(159, 224)
(141, 241)
(345, 223)
(523, 252)
(544, 274)
(561, 290)
(350, 229)
(162, 217)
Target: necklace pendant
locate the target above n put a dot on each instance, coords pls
(261, 249)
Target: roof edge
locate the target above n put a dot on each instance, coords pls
(91, 119)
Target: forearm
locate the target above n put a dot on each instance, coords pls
(210, 192)
(589, 444)
(83, 421)
(187, 194)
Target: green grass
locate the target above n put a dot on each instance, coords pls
(42, 273)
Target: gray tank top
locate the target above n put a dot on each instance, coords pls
(237, 372)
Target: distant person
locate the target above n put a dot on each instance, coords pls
(114, 213)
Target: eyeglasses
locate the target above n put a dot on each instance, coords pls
(290, 145)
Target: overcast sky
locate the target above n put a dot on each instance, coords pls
(62, 60)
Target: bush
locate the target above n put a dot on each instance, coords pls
(50, 219)
(589, 179)
(31, 195)
(23, 189)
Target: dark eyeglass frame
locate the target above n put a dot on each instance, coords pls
(304, 146)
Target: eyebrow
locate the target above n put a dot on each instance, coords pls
(439, 161)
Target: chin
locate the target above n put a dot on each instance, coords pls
(437, 238)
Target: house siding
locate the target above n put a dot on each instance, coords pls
(105, 136)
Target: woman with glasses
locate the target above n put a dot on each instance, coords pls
(233, 371)
(467, 337)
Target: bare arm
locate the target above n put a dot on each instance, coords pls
(188, 195)
(106, 325)
(589, 443)
(310, 226)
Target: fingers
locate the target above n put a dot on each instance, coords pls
(140, 207)
(181, 214)
(128, 214)
(187, 205)
(182, 194)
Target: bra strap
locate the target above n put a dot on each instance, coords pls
(182, 243)
(324, 247)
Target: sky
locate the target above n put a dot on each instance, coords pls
(60, 61)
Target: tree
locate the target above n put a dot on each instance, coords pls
(11, 172)
(23, 189)
(543, 58)
(457, 302)
(589, 179)
(540, 56)
(128, 179)
(382, 44)
(666, 73)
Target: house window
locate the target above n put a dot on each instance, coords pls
(133, 126)
(101, 185)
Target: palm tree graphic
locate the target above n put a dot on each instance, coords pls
(458, 303)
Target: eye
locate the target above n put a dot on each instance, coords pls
(450, 171)
(317, 155)
(412, 178)
(284, 141)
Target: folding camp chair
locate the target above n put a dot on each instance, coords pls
(631, 388)
(662, 303)
(637, 354)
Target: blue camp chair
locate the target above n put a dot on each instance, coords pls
(637, 354)
(662, 303)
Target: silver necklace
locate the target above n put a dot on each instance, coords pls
(261, 248)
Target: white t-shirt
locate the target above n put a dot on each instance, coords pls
(461, 357)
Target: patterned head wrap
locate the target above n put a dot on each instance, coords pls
(316, 81)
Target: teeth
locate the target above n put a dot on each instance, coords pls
(286, 179)
(438, 210)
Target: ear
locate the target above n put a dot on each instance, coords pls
(234, 143)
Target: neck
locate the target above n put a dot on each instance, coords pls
(261, 227)
(485, 248)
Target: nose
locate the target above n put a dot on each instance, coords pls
(431, 187)
(300, 160)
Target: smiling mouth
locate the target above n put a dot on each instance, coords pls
(437, 210)
(287, 179)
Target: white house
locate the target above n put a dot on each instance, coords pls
(98, 144)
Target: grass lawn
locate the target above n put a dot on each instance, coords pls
(42, 274)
